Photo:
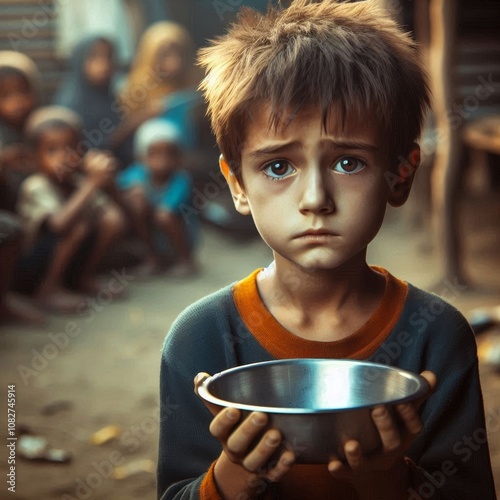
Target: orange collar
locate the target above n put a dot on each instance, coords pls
(281, 343)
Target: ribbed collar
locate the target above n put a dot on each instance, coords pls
(281, 343)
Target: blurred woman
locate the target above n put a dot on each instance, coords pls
(162, 65)
(87, 90)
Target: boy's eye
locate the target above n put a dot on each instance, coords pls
(349, 165)
(278, 169)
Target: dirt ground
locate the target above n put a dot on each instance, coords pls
(83, 373)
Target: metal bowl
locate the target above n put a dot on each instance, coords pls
(316, 404)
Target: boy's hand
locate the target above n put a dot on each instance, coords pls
(395, 441)
(100, 167)
(247, 444)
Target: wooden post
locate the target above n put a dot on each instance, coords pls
(447, 171)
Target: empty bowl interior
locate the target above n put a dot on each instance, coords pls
(314, 385)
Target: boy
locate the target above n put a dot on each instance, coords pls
(316, 109)
(69, 223)
(19, 85)
(155, 190)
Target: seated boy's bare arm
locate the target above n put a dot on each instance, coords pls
(99, 168)
(244, 467)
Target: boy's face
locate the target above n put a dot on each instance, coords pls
(16, 100)
(162, 158)
(317, 198)
(57, 154)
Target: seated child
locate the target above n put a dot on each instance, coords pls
(156, 189)
(316, 108)
(19, 81)
(69, 223)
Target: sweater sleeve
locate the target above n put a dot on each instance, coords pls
(187, 450)
(452, 451)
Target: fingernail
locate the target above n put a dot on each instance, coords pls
(272, 440)
(378, 412)
(231, 414)
(258, 419)
(332, 468)
(352, 448)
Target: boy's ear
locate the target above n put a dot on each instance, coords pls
(400, 182)
(239, 197)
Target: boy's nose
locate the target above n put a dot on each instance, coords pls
(316, 194)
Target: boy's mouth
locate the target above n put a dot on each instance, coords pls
(316, 233)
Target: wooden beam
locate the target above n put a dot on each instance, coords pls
(447, 171)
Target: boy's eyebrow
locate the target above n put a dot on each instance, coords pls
(351, 144)
(342, 144)
(275, 148)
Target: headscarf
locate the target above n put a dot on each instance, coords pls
(143, 86)
(155, 130)
(91, 103)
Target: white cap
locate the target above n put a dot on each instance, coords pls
(155, 130)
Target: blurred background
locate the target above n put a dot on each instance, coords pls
(86, 383)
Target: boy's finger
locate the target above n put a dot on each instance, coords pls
(260, 455)
(241, 439)
(353, 454)
(432, 381)
(284, 464)
(336, 466)
(387, 428)
(223, 424)
(410, 417)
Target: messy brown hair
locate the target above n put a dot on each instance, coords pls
(349, 55)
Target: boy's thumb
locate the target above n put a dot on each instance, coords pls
(198, 380)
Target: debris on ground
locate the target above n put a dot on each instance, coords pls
(135, 467)
(488, 352)
(32, 447)
(106, 434)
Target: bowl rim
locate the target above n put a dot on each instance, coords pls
(204, 388)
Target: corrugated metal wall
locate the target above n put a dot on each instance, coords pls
(29, 27)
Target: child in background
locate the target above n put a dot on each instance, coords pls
(19, 81)
(162, 70)
(316, 109)
(87, 90)
(12, 306)
(69, 223)
(156, 189)
(162, 65)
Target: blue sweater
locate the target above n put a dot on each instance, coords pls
(411, 329)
